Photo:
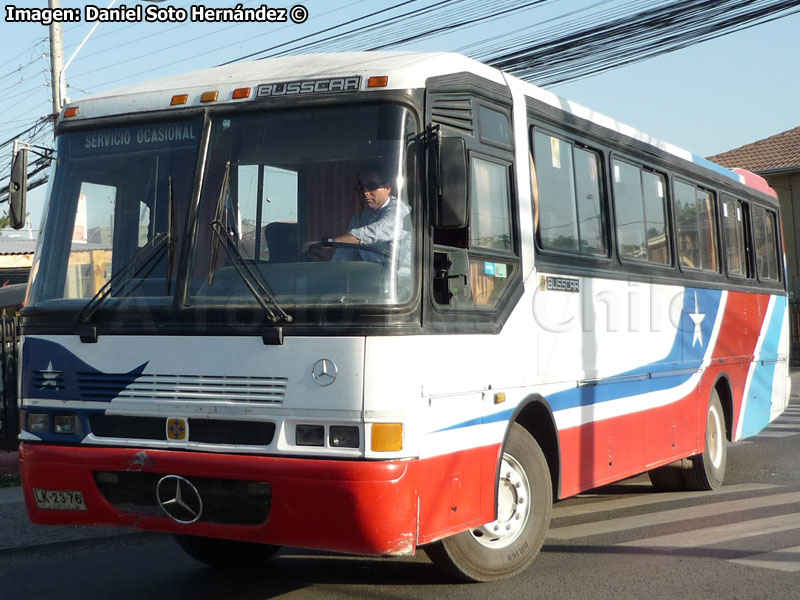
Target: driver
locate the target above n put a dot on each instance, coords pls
(380, 224)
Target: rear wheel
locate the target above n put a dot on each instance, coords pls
(507, 545)
(708, 467)
(669, 478)
(225, 553)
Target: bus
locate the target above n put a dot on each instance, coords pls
(379, 302)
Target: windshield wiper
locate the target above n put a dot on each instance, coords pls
(251, 277)
(144, 261)
(218, 216)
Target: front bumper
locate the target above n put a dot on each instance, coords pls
(361, 507)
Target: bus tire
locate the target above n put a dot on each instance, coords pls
(506, 546)
(669, 478)
(224, 553)
(708, 467)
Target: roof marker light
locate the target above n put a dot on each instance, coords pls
(378, 81)
(240, 93)
(179, 99)
(209, 96)
(72, 111)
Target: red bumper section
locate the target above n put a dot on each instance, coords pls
(360, 507)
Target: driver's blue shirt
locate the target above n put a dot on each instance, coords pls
(378, 230)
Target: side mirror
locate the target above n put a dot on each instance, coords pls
(18, 189)
(452, 202)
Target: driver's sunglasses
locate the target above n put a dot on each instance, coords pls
(370, 186)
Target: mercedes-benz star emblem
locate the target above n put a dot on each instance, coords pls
(324, 371)
(179, 499)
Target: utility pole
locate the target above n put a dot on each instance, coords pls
(56, 60)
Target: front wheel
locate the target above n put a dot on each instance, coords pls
(224, 553)
(708, 467)
(507, 545)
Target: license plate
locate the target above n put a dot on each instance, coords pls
(59, 499)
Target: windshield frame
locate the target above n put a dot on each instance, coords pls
(181, 318)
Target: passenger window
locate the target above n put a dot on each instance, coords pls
(655, 215)
(629, 211)
(733, 232)
(591, 229)
(694, 212)
(570, 210)
(764, 236)
(640, 208)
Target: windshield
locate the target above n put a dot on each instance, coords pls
(116, 194)
(316, 202)
(297, 209)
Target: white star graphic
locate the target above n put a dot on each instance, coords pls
(697, 318)
(50, 377)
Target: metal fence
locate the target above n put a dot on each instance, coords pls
(9, 357)
(794, 320)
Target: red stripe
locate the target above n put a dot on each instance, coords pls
(364, 507)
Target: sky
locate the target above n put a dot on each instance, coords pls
(708, 98)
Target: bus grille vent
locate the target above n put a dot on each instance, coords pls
(105, 386)
(454, 112)
(225, 501)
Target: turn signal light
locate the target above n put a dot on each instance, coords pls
(241, 93)
(179, 99)
(209, 96)
(72, 111)
(387, 437)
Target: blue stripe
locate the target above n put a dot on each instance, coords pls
(759, 396)
(684, 358)
(699, 160)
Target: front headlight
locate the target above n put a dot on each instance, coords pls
(37, 423)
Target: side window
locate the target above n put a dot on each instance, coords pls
(696, 220)
(475, 265)
(640, 208)
(764, 236)
(733, 231)
(570, 209)
(489, 199)
(494, 126)
(490, 231)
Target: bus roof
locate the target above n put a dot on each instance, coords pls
(405, 70)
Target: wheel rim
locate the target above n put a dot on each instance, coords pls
(513, 507)
(714, 437)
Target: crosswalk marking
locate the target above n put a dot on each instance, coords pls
(776, 434)
(795, 426)
(786, 559)
(654, 498)
(720, 533)
(670, 516)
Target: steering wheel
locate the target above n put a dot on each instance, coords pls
(314, 250)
